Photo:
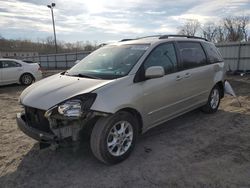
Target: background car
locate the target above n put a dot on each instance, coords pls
(17, 71)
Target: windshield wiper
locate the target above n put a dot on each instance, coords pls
(84, 76)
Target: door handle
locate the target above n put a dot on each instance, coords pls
(187, 75)
(178, 77)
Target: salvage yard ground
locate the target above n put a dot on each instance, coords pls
(194, 150)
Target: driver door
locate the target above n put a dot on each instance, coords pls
(162, 96)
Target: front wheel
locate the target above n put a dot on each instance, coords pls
(113, 138)
(213, 101)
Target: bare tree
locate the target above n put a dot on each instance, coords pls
(221, 34)
(210, 31)
(190, 27)
(236, 28)
(245, 22)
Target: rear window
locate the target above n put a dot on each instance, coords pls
(28, 61)
(214, 55)
(192, 54)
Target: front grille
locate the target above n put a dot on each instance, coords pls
(35, 118)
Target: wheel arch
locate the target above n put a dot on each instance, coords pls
(221, 87)
(34, 79)
(136, 114)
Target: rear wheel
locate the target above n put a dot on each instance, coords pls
(213, 101)
(113, 138)
(26, 79)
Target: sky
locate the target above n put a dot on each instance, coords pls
(109, 20)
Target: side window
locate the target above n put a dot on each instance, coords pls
(1, 66)
(212, 52)
(163, 55)
(10, 64)
(192, 54)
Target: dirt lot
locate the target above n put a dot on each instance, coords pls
(194, 150)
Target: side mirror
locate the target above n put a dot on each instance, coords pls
(154, 72)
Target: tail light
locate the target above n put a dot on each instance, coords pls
(40, 68)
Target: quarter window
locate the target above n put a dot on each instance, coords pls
(192, 54)
(163, 55)
(213, 54)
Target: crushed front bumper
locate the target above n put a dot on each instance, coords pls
(34, 133)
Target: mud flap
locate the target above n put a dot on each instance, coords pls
(229, 90)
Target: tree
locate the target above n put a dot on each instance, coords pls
(245, 22)
(236, 28)
(190, 27)
(210, 31)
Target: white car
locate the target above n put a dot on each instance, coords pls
(17, 71)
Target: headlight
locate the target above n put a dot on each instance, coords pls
(76, 106)
(71, 108)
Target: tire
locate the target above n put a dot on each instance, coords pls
(213, 101)
(109, 142)
(26, 79)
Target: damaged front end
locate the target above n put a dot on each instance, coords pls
(61, 122)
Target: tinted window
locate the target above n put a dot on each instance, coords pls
(163, 55)
(192, 54)
(28, 61)
(212, 52)
(1, 64)
(9, 64)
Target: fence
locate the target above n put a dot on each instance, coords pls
(58, 61)
(236, 55)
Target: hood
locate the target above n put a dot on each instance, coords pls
(55, 89)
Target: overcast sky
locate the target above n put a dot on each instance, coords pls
(108, 20)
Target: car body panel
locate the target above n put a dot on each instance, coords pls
(55, 89)
(156, 100)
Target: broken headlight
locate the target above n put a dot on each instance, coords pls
(71, 108)
(76, 106)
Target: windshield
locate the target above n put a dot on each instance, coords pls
(109, 62)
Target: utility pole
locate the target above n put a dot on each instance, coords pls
(53, 21)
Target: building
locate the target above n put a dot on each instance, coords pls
(17, 55)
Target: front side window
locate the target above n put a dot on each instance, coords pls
(109, 62)
(192, 54)
(163, 55)
(213, 54)
(10, 64)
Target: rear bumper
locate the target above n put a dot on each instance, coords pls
(34, 133)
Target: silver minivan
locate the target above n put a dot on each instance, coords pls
(122, 90)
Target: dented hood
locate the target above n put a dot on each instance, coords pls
(55, 89)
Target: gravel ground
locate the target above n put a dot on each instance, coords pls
(194, 150)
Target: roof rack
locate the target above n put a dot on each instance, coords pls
(165, 37)
(149, 36)
(123, 40)
(187, 36)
